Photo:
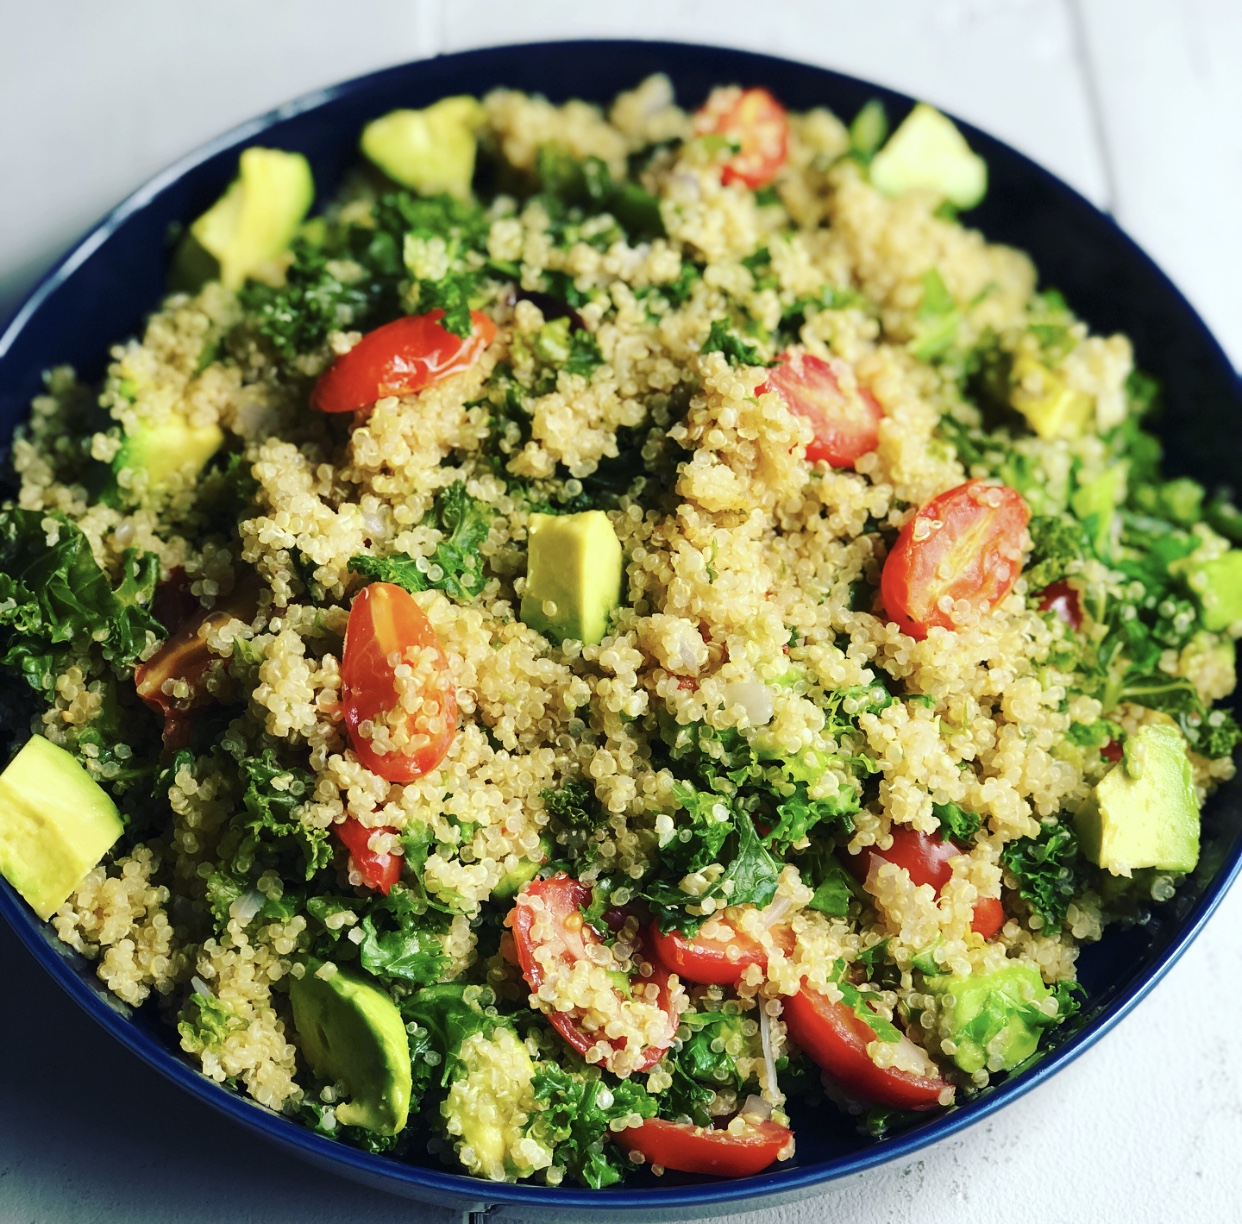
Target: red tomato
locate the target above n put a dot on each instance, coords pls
(399, 358)
(696, 1149)
(569, 938)
(965, 544)
(712, 962)
(926, 858)
(929, 861)
(385, 621)
(1112, 751)
(988, 918)
(846, 426)
(378, 871)
(174, 602)
(757, 123)
(1062, 599)
(185, 656)
(837, 1040)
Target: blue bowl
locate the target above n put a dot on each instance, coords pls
(102, 291)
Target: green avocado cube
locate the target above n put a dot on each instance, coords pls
(1145, 812)
(928, 153)
(1052, 408)
(573, 575)
(56, 823)
(994, 1015)
(257, 217)
(1217, 585)
(429, 150)
(171, 451)
(353, 1035)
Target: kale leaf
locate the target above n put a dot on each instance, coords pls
(703, 1064)
(1048, 870)
(456, 564)
(445, 1016)
(721, 338)
(955, 824)
(269, 831)
(575, 1110)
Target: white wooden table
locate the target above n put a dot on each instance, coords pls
(1135, 102)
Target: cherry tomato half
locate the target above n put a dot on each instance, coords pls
(717, 961)
(568, 937)
(386, 627)
(378, 871)
(965, 544)
(757, 123)
(837, 1040)
(1062, 599)
(696, 1149)
(400, 358)
(988, 918)
(185, 656)
(928, 861)
(847, 426)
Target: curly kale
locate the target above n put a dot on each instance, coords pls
(575, 1110)
(1049, 871)
(456, 565)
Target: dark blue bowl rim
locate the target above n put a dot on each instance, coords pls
(410, 1179)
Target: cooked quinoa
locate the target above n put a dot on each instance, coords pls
(733, 760)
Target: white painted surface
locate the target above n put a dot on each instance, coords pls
(95, 97)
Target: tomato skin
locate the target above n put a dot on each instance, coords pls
(753, 119)
(696, 1149)
(846, 426)
(562, 898)
(378, 871)
(988, 918)
(400, 358)
(929, 861)
(837, 1040)
(386, 619)
(965, 543)
(1062, 599)
(708, 962)
(186, 656)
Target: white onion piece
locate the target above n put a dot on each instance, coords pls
(756, 1108)
(765, 1035)
(246, 907)
(754, 697)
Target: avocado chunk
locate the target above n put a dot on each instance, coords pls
(995, 1015)
(56, 823)
(170, 451)
(1145, 812)
(1095, 504)
(927, 152)
(254, 220)
(1053, 409)
(429, 150)
(1217, 585)
(516, 878)
(488, 1106)
(573, 575)
(353, 1035)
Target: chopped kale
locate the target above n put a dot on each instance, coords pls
(573, 1118)
(1048, 870)
(721, 338)
(955, 824)
(456, 564)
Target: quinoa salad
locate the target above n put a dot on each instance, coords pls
(606, 626)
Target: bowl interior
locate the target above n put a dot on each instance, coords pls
(103, 290)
